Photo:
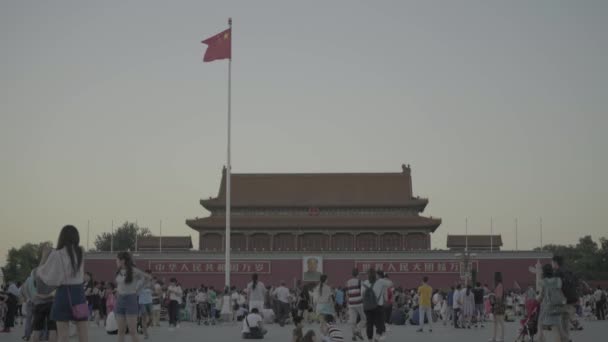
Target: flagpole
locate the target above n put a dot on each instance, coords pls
(112, 238)
(466, 234)
(516, 248)
(88, 231)
(228, 167)
(491, 234)
(541, 233)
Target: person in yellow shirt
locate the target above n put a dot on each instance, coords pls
(424, 304)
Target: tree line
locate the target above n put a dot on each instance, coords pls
(587, 259)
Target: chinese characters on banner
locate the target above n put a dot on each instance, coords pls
(416, 266)
(262, 267)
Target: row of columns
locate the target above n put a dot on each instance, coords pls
(330, 235)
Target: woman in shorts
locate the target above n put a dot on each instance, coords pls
(127, 308)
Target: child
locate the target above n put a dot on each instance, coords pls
(110, 297)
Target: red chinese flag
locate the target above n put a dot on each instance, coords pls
(218, 46)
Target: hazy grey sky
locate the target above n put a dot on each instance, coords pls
(108, 113)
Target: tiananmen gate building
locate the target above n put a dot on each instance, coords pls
(290, 227)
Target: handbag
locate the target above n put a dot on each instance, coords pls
(79, 311)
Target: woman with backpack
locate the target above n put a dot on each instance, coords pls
(373, 299)
(552, 303)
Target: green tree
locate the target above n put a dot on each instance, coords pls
(587, 258)
(21, 261)
(124, 237)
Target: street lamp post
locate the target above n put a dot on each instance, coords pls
(466, 258)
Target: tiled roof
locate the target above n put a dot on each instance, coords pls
(316, 222)
(168, 242)
(474, 241)
(319, 190)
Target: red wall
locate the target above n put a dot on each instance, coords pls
(513, 270)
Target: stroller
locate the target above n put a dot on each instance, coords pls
(529, 325)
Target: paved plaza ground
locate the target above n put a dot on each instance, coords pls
(593, 331)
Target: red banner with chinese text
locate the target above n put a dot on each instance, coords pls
(185, 267)
(416, 266)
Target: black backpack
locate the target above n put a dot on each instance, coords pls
(570, 287)
(370, 301)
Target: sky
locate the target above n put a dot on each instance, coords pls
(108, 114)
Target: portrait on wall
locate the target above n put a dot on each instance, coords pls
(312, 268)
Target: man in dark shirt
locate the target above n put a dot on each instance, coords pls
(562, 273)
(450, 314)
(479, 307)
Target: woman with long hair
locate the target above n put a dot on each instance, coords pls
(498, 308)
(304, 304)
(64, 268)
(322, 297)
(256, 292)
(127, 307)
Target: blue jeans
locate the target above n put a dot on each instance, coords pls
(29, 317)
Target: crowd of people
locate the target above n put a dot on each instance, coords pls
(58, 292)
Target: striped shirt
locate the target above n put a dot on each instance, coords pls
(335, 334)
(353, 288)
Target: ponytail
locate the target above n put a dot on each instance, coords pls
(321, 283)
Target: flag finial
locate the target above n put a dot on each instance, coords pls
(229, 21)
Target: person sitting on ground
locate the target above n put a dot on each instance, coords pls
(398, 315)
(253, 325)
(330, 331)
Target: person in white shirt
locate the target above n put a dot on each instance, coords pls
(175, 300)
(281, 293)
(437, 303)
(457, 303)
(65, 268)
(157, 294)
(256, 293)
(202, 306)
(129, 280)
(253, 325)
